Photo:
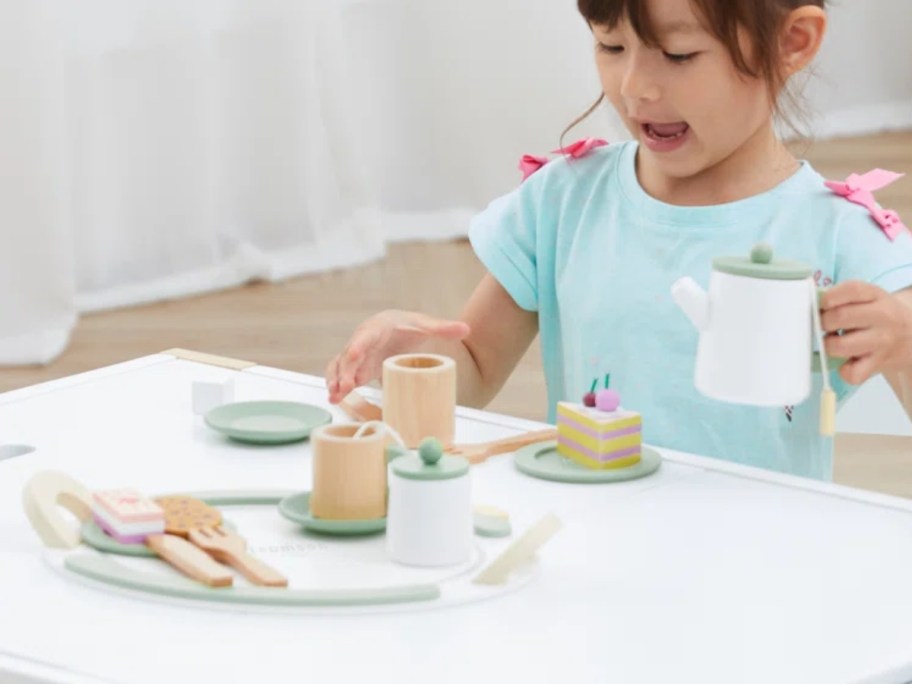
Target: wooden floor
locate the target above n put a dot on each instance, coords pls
(300, 324)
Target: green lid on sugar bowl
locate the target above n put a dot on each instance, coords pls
(429, 463)
(761, 264)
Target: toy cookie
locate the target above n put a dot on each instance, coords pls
(184, 513)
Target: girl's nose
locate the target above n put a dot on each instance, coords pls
(638, 83)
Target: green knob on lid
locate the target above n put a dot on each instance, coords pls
(430, 450)
(762, 253)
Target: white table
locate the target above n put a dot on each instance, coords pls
(704, 572)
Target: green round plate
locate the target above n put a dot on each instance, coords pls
(297, 509)
(267, 422)
(542, 460)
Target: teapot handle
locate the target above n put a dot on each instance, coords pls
(833, 362)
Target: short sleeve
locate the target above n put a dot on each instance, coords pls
(504, 236)
(864, 252)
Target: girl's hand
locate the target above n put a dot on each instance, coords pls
(876, 330)
(383, 335)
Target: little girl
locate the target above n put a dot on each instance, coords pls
(586, 250)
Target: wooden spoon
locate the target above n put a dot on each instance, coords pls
(478, 453)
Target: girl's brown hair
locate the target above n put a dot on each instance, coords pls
(760, 19)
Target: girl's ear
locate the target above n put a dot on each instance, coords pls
(801, 37)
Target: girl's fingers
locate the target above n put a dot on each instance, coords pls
(850, 292)
(851, 317)
(856, 343)
(856, 371)
(348, 369)
(332, 380)
(354, 361)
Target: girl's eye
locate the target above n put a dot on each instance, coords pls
(610, 49)
(679, 59)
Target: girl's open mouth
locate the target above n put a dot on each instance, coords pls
(665, 137)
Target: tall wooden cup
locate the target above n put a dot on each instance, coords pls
(349, 473)
(419, 397)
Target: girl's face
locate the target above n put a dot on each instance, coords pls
(683, 100)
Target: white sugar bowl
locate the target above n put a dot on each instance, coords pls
(429, 520)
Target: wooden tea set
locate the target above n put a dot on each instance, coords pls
(393, 479)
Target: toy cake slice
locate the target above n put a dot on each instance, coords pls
(126, 515)
(599, 433)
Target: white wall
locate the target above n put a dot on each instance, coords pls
(456, 92)
(865, 68)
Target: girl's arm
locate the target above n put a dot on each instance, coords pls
(500, 333)
(486, 344)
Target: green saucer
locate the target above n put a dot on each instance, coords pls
(542, 460)
(297, 509)
(267, 422)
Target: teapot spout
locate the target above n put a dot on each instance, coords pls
(693, 301)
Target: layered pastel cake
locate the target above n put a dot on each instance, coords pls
(599, 433)
(127, 516)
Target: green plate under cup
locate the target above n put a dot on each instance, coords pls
(267, 422)
(297, 509)
(542, 460)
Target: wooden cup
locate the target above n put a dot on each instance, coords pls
(419, 397)
(349, 473)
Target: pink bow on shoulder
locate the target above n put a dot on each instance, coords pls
(860, 190)
(529, 164)
(581, 147)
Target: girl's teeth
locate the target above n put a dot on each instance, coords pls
(667, 131)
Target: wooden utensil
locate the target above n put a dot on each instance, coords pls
(231, 548)
(478, 453)
(360, 409)
(182, 514)
(190, 560)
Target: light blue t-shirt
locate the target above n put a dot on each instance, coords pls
(581, 243)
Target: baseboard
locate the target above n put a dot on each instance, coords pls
(865, 119)
(446, 224)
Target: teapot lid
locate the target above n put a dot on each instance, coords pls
(760, 264)
(430, 463)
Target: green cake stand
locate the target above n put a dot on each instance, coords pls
(542, 460)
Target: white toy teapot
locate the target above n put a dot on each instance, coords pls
(757, 324)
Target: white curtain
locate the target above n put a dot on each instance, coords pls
(152, 149)
(158, 148)
(36, 249)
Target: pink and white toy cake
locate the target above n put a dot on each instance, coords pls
(127, 516)
(599, 433)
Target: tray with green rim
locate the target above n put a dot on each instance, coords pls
(327, 573)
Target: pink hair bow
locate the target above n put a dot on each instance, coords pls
(860, 190)
(529, 164)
